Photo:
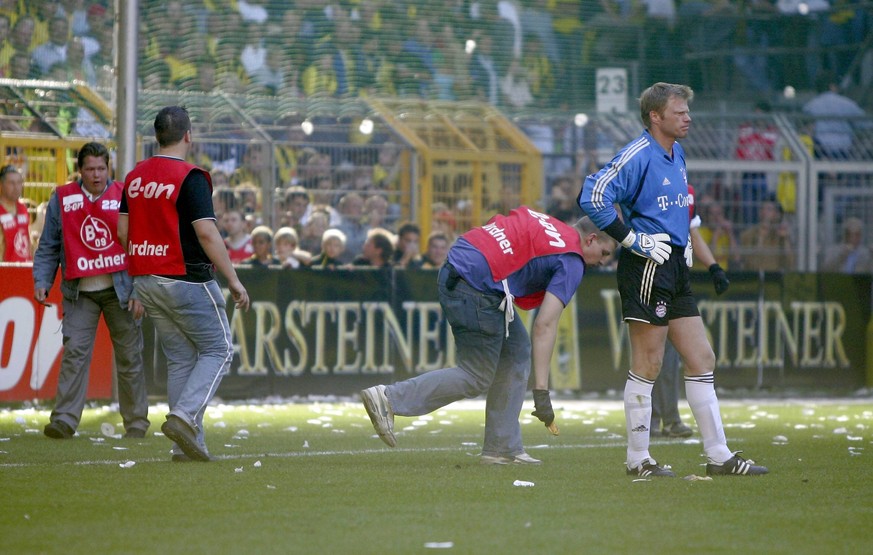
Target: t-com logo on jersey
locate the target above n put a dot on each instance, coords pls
(74, 202)
(95, 234)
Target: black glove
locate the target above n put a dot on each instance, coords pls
(543, 404)
(719, 279)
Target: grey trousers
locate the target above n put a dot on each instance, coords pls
(488, 362)
(79, 329)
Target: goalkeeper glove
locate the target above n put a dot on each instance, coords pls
(719, 279)
(655, 246)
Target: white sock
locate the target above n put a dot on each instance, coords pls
(638, 418)
(700, 392)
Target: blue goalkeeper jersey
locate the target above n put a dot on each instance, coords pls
(650, 187)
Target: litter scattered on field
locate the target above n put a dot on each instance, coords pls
(696, 478)
(439, 545)
(238, 469)
(780, 440)
(257, 464)
(523, 484)
(305, 444)
(128, 464)
(841, 431)
(119, 448)
(107, 429)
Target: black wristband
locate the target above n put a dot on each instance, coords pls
(715, 268)
(617, 230)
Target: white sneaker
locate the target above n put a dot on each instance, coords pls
(523, 458)
(381, 415)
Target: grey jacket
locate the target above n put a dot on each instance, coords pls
(50, 254)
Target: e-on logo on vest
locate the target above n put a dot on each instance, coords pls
(152, 189)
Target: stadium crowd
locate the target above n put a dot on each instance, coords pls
(510, 53)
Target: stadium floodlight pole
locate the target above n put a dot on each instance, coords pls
(125, 110)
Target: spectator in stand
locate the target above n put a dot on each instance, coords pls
(407, 255)
(437, 251)
(386, 170)
(21, 37)
(15, 245)
(351, 209)
(6, 48)
(313, 230)
(443, 220)
(376, 211)
(223, 199)
(262, 247)
(77, 66)
(333, 243)
(237, 239)
(832, 132)
(287, 149)
(717, 232)
(20, 67)
(297, 207)
(254, 169)
(562, 202)
(43, 12)
(851, 256)
(768, 245)
(484, 71)
(320, 78)
(54, 50)
(287, 249)
(378, 250)
(756, 141)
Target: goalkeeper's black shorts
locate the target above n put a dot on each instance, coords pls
(655, 294)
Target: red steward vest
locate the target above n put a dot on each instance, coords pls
(510, 242)
(91, 246)
(153, 242)
(16, 233)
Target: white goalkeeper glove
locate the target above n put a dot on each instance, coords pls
(655, 246)
(689, 252)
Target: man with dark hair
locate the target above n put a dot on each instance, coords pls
(79, 235)
(378, 250)
(527, 258)
(168, 226)
(648, 180)
(407, 254)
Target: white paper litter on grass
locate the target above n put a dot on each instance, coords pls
(291, 429)
(841, 431)
(523, 484)
(306, 444)
(128, 464)
(4, 439)
(257, 464)
(119, 448)
(780, 440)
(107, 429)
(439, 545)
(238, 470)
(220, 424)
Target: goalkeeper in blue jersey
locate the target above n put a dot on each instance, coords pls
(648, 181)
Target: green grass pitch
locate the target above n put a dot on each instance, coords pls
(313, 478)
